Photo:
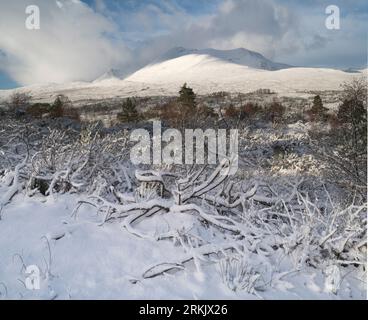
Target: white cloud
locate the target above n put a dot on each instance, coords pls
(77, 43)
(72, 44)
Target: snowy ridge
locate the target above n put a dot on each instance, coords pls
(239, 56)
(112, 74)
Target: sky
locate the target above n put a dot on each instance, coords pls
(81, 40)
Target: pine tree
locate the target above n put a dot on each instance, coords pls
(129, 111)
(186, 107)
(318, 111)
(57, 108)
(187, 97)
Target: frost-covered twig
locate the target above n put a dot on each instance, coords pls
(15, 187)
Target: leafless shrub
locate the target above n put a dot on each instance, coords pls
(19, 100)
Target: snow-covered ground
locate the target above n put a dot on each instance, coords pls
(105, 238)
(90, 260)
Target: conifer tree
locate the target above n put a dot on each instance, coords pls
(129, 111)
(318, 111)
(187, 97)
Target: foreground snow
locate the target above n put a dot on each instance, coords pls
(90, 260)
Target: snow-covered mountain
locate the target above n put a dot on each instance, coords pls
(112, 74)
(206, 71)
(237, 70)
(239, 56)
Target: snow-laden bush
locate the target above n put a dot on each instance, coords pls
(61, 160)
(255, 219)
(238, 274)
(269, 209)
(319, 235)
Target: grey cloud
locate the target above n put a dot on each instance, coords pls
(72, 44)
(259, 25)
(317, 42)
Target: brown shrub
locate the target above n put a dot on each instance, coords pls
(250, 110)
(39, 110)
(276, 112)
(231, 112)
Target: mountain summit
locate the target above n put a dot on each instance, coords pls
(238, 70)
(239, 56)
(112, 74)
